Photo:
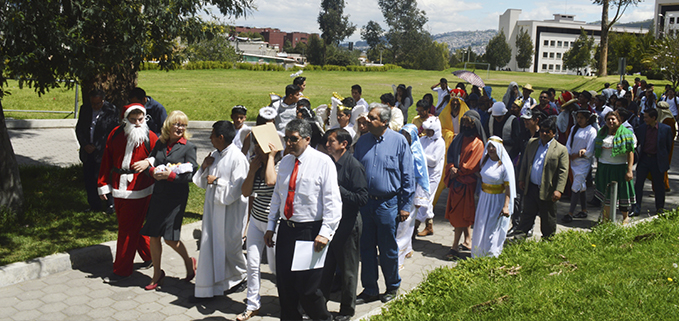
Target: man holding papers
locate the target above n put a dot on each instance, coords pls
(307, 200)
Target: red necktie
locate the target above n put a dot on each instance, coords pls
(291, 191)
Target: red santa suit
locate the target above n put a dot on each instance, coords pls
(131, 192)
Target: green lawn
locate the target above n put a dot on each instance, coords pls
(611, 273)
(210, 94)
(54, 219)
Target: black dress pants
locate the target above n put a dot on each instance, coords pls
(90, 176)
(534, 206)
(299, 287)
(649, 164)
(346, 256)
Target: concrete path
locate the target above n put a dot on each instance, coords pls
(80, 294)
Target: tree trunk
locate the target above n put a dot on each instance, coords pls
(11, 192)
(603, 56)
(116, 84)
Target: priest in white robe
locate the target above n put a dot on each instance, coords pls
(221, 264)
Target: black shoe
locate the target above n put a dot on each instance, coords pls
(567, 219)
(240, 287)
(115, 278)
(341, 317)
(145, 265)
(389, 295)
(365, 298)
(514, 231)
(633, 213)
(529, 233)
(110, 210)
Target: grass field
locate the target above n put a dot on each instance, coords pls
(611, 273)
(210, 94)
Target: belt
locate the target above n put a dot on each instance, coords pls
(123, 171)
(493, 189)
(293, 224)
(381, 198)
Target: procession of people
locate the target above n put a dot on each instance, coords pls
(318, 190)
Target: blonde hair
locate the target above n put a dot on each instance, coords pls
(176, 116)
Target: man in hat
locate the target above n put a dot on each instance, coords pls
(528, 101)
(506, 126)
(566, 119)
(118, 175)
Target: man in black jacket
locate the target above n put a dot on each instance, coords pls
(95, 122)
(344, 247)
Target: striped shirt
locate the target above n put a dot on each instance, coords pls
(262, 198)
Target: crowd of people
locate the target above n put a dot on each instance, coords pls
(357, 182)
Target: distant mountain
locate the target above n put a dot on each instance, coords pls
(636, 24)
(463, 39)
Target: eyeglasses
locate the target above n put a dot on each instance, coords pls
(178, 125)
(292, 139)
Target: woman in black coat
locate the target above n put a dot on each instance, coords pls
(172, 163)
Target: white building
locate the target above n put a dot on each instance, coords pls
(666, 17)
(550, 38)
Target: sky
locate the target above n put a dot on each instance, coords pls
(444, 15)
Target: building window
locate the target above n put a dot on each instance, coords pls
(544, 66)
(565, 44)
(558, 67)
(551, 43)
(544, 55)
(558, 44)
(551, 55)
(546, 43)
(571, 44)
(551, 67)
(671, 20)
(558, 55)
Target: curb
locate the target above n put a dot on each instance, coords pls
(72, 260)
(70, 123)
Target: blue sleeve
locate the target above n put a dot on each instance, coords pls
(405, 196)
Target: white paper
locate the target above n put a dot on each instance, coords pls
(305, 258)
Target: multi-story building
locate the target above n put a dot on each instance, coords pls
(550, 38)
(276, 37)
(666, 17)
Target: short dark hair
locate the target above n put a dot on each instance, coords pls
(388, 99)
(653, 113)
(301, 126)
(137, 93)
(423, 104)
(606, 85)
(348, 102)
(623, 102)
(444, 80)
(552, 91)
(225, 128)
(548, 123)
(623, 112)
(342, 135)
(291, 90)
(304, 103)
(299, 81)
(97, 93)
(239, 110)
(357, 88)
(546, 92)
(428, 97)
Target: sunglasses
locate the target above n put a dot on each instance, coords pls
(292, 139)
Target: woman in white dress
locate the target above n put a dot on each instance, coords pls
(498, 191)
(580, 147)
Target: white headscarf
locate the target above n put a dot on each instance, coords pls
(507, 163)
(432, 123)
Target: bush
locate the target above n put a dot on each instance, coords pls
(149, 66)
(197, 65)
(654, 74)
(386, 67)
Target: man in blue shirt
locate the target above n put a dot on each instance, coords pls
(388, 163)
(155, 112)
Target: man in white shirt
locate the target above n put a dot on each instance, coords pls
(308, 202)
(285, 107)
(361, 105)
(442, 90)
(238, 116)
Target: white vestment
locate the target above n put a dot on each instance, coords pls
(221, 264)
(435, 154)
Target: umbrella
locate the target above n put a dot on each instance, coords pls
(470, 77)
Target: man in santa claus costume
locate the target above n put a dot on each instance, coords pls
(127, 144)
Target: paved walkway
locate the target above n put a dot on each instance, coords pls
(80, 294)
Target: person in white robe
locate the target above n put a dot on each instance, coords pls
(221, 263)
(404, 231)
(580, 146)
(434, 152)
(497, 194)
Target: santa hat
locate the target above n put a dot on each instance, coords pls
(129, 108)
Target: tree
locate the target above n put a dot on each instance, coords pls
(620, 6)
(498, 53)
(373, 34)
(664, 56)
(334, 26)
(11, 193)
(315, 51)
(216, 49)
(580, 54)
(524, 52)
(99, 43)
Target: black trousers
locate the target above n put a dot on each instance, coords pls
(534, 206)
(90, 175)
(344, 256)
(299, 287)
(649, 164)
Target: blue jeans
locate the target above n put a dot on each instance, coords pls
(379, 230)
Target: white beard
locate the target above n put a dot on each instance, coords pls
(136, 136)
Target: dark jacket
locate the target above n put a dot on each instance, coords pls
(354, 190)
(665, 142)
(108, 119)
(155, 114)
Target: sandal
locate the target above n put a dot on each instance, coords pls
(452, 255)
(580, 215)
(464, 247)
(247, 315)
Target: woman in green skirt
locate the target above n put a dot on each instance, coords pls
(614, 148)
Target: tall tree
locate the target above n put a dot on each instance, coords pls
(11, 193)
(218, 48)
(334, 26)
(580, 54)
(620, 7)
(664, 55)
(99, 43)
(524, 52)
(315, 51)
(498, 53)
(372, 33)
